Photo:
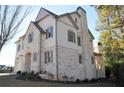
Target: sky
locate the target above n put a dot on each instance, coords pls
(8, 53)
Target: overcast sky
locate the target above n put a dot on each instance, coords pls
(7, 56)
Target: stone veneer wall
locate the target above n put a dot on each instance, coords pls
(68, 65)
(50, 67)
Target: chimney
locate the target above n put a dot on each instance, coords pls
(81, 11)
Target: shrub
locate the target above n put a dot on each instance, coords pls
(121, 69)
(118, 72)
(37, 73)
(24, 73)
(121, 74)
(115, 69)
(50, 75)
(37, 77)
(77, 80)
(29, 76)
(18, 72)
(71, 78)
(122, 79)
(32, 72)
(21, 76)
(65, 78)
(107, 71)
(86, 80)
(93, 80)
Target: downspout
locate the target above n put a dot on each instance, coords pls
(57, 72)
(40, 54)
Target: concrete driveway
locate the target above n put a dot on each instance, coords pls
(6, 74)
(8, 80)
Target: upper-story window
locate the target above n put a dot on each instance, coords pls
(19, 47)
(71, 36)
(30, 37)
(49, 32)
(79, 40)
(75, 20)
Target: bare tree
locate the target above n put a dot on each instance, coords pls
(11, 17)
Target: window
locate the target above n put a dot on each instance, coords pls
(30, 37)
(71, 36)
(48, 56)
(92, 60)
(80, 58)
(19, 47)
(75, 20)
(51, 56)
(35, 56)
(49, 32)
(79, 40)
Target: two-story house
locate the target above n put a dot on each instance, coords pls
(59, 46)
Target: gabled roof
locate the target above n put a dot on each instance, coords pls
(75, 12)
(58, 16)
(22, 36)
(46, 14)
(91, 34)
(17, 40)
(38, 27)
(50, 12)
(2, 65)
(63, 14)
(70, 19)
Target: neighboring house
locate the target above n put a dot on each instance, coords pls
(58, 46)
(100, 66)
(3, 67)
(6, 68)
(10, 68)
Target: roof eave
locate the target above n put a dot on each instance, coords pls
(91, 34)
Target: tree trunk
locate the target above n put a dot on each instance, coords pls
(0, 48)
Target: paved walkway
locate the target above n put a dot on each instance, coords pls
(8, 80)
(6, 74)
